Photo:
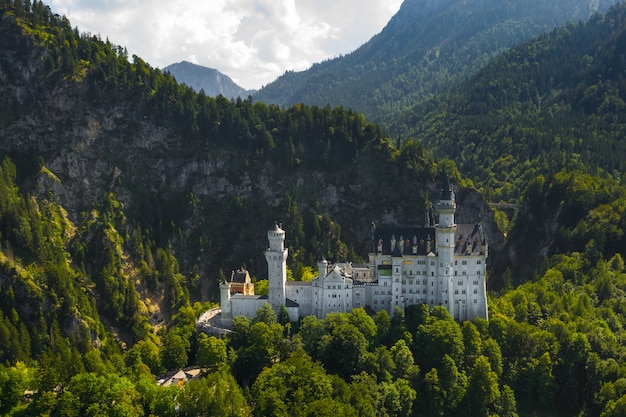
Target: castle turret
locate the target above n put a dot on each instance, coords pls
(276, 257)
(322, 269)
(225, 303)
(446, 230)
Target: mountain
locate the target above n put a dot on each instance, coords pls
(210, 80)
(426, 48)
(125, 197)
(155, 184)
(553, 104)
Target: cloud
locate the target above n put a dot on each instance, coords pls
(252, 41)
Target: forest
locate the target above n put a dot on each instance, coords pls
(556, 102)
(100, 297)
(426, 49)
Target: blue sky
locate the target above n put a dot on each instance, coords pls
(252, 41)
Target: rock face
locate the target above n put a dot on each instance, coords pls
(77, 148)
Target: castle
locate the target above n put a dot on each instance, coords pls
(443, 265)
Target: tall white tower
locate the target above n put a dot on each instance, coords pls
(446, 231)
(276, 257)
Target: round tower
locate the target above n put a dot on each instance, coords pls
(225, 300)
(322, 269)
(276, 257)
(446, 231)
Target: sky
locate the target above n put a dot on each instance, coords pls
(251, 41)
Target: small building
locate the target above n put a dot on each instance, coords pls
(241, 283)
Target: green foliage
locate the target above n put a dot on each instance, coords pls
(550, 104)
(425, 50)
(93, 395)
(215, 395)
(211, 351)
(77, 301)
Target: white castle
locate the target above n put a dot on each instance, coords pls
(406, 267)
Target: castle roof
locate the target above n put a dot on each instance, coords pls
(446, 193)
(276, 228)
(241, 276)
(409, 235)
(470, 239)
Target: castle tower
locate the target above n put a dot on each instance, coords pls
(225, 301)
(276, 257)
(446, 231)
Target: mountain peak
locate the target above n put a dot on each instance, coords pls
(208, 79)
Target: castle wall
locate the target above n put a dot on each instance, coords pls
(242, 305)
(301, 293)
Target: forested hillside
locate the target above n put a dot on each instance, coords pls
(123, 195)
(427, 47)
(554, 103)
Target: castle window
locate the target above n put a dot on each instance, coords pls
(456, 292)
(463, 292)
(475, 291)
(456, 262)
(464, 272)
(397, 270)
(432, 274)
(455, 272)
(478, 262)
(375, 301)
(403, 291)
(460, 282)
(464, 263)
(475, 301)
(475, 282)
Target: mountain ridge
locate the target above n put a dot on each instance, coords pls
(425, 49)
(210, 80)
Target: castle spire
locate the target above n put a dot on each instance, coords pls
(447, 194)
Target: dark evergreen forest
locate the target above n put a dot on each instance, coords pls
(99, 297)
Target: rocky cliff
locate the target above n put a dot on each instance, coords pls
(76, 137)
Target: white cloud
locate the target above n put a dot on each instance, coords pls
(252, 41)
